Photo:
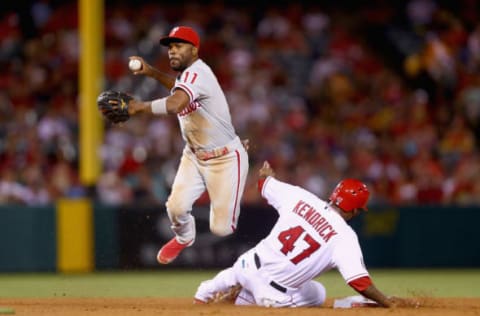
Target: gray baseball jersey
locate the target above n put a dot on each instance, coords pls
(214, 158)
(206, 122)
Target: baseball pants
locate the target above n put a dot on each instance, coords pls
(223, 177)
(257, 289)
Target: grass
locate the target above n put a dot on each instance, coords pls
(173, 283)
(416, 282)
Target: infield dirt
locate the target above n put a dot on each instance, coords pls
(184, 307)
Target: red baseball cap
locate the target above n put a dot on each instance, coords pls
(182, 34)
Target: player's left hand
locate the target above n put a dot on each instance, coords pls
(266, 170)
(114, 105)
(228, 296)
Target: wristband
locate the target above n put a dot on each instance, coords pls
(159, 106)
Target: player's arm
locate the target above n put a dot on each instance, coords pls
(172, 104)
(264, 172)
(148, 70)
(163, 78)
(365, 286)
(348, 258)
(274, 191)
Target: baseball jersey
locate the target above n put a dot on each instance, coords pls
(308, 238)
(206, 122)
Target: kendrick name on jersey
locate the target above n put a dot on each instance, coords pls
(315, 219)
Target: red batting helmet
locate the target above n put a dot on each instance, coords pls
(181, 34)
(350, 194)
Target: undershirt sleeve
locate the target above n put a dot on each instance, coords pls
(361, 284)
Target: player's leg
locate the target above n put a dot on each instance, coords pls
(245, 298)
(187, 187)
(243, 274)
(312, 293)
(236, 278)
(225, 179)
(256, 288)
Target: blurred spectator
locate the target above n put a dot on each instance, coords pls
(473, 50)
(12, 191)
(392, 95)
(112, 190)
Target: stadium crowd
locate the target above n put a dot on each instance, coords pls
(388, 94)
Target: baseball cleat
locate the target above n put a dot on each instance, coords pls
(170, 251)
(197, 301)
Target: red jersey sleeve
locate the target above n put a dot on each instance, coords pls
(260, 184)
(361, 284)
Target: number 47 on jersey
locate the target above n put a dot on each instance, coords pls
(289, 238)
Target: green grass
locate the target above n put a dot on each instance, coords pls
(415, 282)
(437, 283)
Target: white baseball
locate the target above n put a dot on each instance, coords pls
(134, 64)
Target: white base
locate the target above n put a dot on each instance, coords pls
(354, 301)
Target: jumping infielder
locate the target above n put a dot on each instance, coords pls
(310, 237)
(214, 158)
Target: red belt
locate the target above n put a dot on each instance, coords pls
(209, 154)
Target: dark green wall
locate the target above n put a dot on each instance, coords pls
(106, 237)
(128, 238)
(27, 239)
(428, 236)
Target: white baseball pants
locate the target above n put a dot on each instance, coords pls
(257, 288)
(223, 177)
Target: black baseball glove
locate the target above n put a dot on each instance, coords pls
(114, 105)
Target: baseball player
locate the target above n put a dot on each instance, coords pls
(214, 158)
(310, 237)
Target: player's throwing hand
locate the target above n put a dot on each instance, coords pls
(144, 69)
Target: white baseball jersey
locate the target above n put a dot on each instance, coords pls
(206, 122)
(309, 238)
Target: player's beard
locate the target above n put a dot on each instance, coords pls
(177, 65)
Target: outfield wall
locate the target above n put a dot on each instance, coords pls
(36, 239)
